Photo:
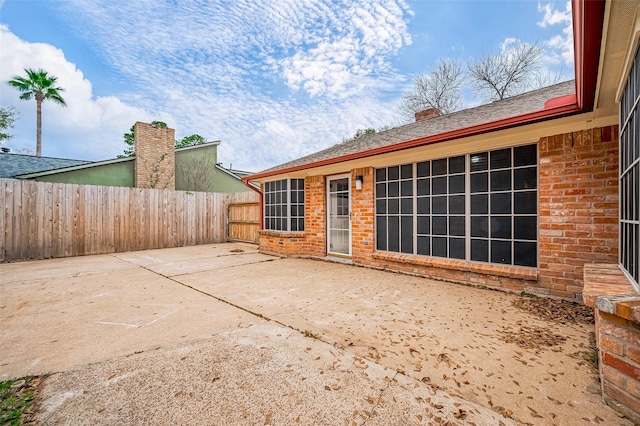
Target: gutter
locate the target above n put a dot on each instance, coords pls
(554, 108)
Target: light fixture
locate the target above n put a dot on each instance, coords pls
(359, 180)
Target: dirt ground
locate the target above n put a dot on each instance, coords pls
(520, 359)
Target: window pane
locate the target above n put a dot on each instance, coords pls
(525, 202)
(439, 225)
(456, 164)
(393, 173)
(479, 161)
(424, 245)
(439, 246)
(406, 205)
(480, 226)
(424, 186)
(479, 182)
(423, 169)
(406, 171)
(526, 178)
(393, 222)
(500, 159)
(439, 167)
(381, 233)
(381, 206)
(457, 248)
(501, 181)
(456, 204)
(456, 184)
(393, 188)
(381, 190)
(393, 206)
(407, 234)
(424, 225)
(423, 205)
(406, 188)
(501, 203)
(525, 155)
(439, 185)
(501, 227)
(381, 175)
(525, 254)
(456, 226)
(480, 250)
(525, 227)
(501, 252)
(480, 204)
(439, 205)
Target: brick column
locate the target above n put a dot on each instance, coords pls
(362, 216)
(315, 208)
(578, 207)
(155, 156)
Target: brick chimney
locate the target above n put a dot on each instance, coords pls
(427, 114)
(155, 163)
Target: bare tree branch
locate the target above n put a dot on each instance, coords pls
(440, 88)
(509, 72)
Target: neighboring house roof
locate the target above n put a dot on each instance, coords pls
(12, 165)
(538, 100)
(88, 164)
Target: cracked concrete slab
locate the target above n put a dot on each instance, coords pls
(264, 374)
(60, 315)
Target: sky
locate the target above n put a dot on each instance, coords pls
(273, 80)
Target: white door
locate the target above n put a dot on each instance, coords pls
(339, 215)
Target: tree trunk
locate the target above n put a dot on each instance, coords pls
(39, 99)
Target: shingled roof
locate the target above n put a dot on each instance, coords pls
(495, 111)
(12, 165)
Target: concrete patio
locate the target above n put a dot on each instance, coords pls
(224, 333)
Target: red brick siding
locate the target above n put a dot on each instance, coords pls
(618, 340)
(578, 221)
(311, 242)
(578, 207)
(362, 216)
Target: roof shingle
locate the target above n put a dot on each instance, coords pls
(498, 110)
(12, 165)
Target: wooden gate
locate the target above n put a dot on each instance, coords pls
(244, 217)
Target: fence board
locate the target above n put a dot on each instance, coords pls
(45, 220)
(244, 217)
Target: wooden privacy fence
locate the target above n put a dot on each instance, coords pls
(244, 217)
(42, 220)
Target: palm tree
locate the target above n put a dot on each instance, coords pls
(40, 85)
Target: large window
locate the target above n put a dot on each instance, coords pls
(480, 207)
(284, 205)
(630, 173)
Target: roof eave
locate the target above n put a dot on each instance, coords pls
(555, 108)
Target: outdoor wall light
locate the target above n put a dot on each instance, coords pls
(359, 180)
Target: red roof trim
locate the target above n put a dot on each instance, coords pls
(561, 101)
(506, 123)
(588, 17)
(586, 14)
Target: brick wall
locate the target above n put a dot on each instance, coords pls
(617, 309)
(578, 180)
(363, 239)
(155, 156)
(578, 207)
(311, 242)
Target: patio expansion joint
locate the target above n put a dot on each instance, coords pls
(215, 269)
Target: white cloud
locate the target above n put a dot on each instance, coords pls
(272, 80)
(560, 46)
(88, 127)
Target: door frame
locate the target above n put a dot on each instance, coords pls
(328, 207)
